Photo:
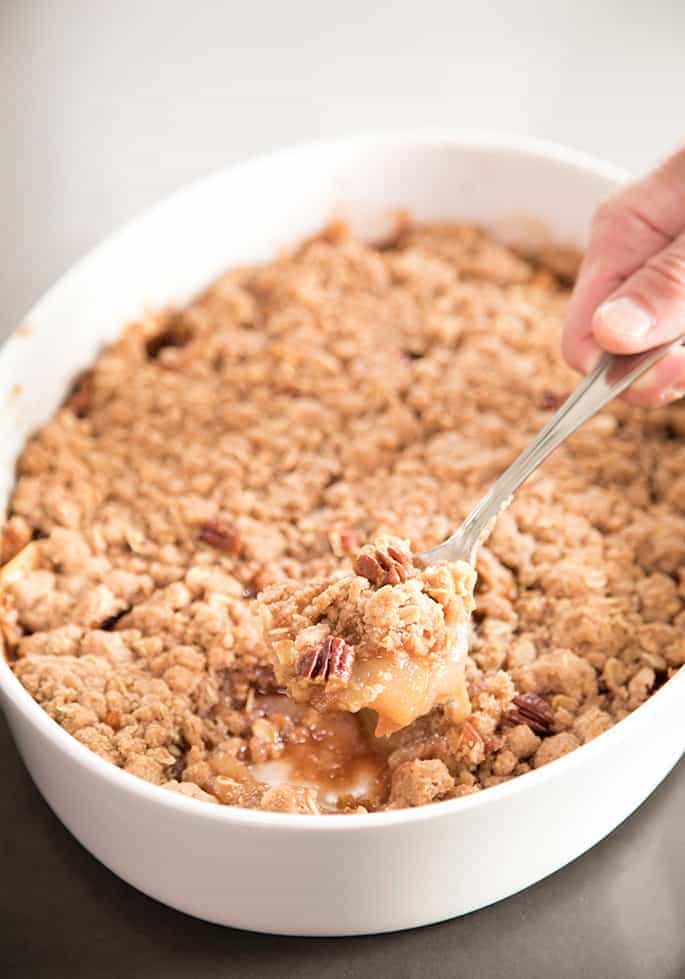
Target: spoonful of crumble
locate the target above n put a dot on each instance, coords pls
(391, 637)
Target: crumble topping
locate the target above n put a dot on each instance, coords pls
(252, 442)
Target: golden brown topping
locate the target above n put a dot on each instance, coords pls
(343, 542)
(415, 783)
(532, 710)
(336, 231)
(383, 565)
(113, 718)
(326, 400)
(349, 541)
(221, 534)
(291, 798)
(10, 633)
(333, 658)
(562, 262)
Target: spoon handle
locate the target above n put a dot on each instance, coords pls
(612, 375)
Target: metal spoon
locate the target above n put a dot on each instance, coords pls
(612, 375)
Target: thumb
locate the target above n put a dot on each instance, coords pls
(628, 232)
(648, 308)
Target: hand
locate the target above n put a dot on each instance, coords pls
(630, 293)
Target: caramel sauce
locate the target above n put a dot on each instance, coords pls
(336, 754)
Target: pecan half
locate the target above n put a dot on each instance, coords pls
(552, 401)
(221, 534)
(383, 566)
(532, 710)
(472, 745)
(333, 658)
(470, 738)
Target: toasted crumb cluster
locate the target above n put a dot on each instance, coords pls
(295, 410)
(389, 637)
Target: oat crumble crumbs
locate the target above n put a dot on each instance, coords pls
(251, 443)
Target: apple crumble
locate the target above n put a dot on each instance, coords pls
(251, 443)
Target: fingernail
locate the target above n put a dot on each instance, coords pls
(624, 318)
(672, 394)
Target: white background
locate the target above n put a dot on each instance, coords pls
(108, 106)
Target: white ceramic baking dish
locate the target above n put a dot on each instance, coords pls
(330, 875)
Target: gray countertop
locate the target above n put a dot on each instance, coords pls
(615, 913)
(107, 108)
